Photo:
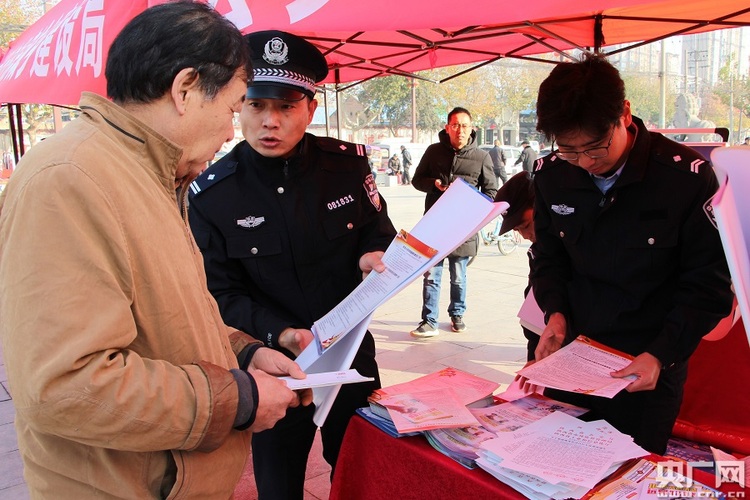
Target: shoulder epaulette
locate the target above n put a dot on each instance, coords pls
(679, 156)
(213, 174)
(332, 145)
(548, 161)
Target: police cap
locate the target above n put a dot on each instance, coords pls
(285, 66)
(519, 193)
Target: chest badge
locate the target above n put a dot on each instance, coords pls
(563, 209)
(251, 221)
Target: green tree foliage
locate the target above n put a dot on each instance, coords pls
(732, 88)
(515, 85)
(387, 99)
(713, 109)
(644, 93)
(494, 93)
(16, 16)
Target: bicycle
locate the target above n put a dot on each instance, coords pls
(506, 243)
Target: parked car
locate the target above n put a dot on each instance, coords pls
(511, 155)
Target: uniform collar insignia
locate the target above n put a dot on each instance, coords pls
(563, 209)
(251, 221)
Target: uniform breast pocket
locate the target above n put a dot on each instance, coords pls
(261, 255)
(653, 246)
(567, 229)
(342, 223)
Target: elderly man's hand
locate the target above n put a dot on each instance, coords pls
(274, 398)
(275, 363)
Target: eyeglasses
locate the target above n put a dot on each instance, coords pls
(593, 153)
(456, 126)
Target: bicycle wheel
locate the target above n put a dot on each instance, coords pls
(507, 243)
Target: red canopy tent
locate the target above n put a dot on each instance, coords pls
(64, 52)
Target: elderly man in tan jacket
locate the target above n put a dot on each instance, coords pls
(126, 381)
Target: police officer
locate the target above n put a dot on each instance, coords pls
(288, 223)
(624, 250)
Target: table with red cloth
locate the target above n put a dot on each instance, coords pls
(372, 464)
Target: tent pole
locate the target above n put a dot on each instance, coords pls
(338, 107)
(19, 119)
(325, 107)
(663, 86)
(598, 33)
(413, 110)
(13, 138)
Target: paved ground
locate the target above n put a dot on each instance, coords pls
(492, 347)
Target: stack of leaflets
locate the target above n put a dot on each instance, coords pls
(434, 401)
(462, 445)
(643, 479)
(470, 389)
(384, 424)
(690, 451)
(558, 456)
(425, 410)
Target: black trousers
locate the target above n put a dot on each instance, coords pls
(280, 454)
(647, 416)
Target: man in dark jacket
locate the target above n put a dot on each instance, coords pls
(527, 157)
(406, 165)
(288, 223)
(625, 252)
(455, 156)
(498, 163)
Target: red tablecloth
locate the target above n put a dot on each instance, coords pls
(716, 406)
(372, 464)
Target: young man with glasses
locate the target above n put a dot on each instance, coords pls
(455, 156)
(625, 252)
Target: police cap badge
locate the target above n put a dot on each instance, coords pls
(285, 66)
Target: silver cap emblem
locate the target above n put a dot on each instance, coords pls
(276, 51)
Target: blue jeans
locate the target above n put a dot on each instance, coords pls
(431, 289)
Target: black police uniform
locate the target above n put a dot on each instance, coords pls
(640, 268)
(281, 241)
